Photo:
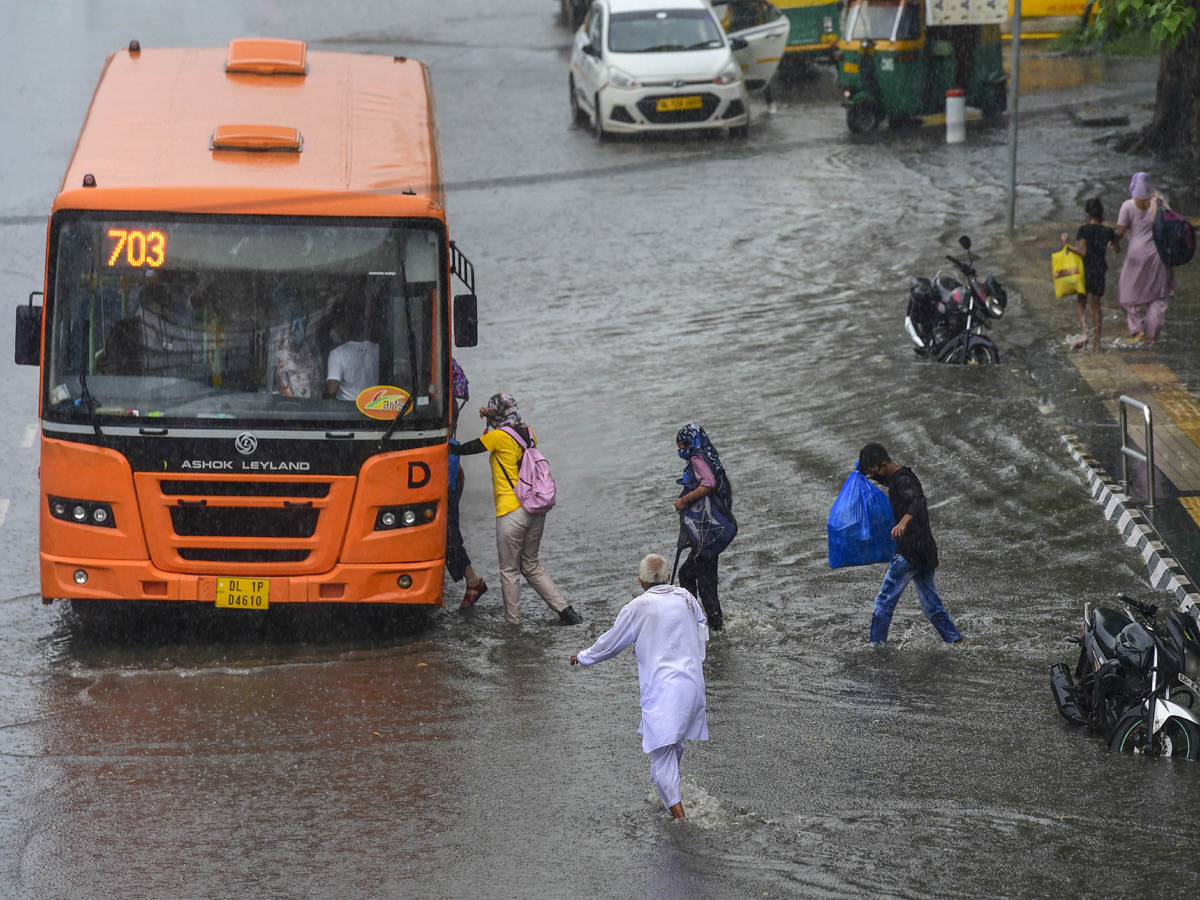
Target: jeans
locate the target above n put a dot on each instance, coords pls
(899, 574)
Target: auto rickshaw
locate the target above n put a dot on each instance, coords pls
(898, 58)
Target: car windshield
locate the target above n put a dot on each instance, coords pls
(663, 31)
(873, 22)
(256, 320)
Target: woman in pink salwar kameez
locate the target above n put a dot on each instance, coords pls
(1147, 283)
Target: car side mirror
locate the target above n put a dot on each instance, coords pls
(466, 321)
(964, 242)
(590, 50)
(27, 338)
(738, 43)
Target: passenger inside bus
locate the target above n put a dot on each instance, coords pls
(354, 363)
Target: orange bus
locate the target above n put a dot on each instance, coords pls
(245, 332)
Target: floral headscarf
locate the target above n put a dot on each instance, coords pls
(501, 410)
(1140, 187)
(696, 443)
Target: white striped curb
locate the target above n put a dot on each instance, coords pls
(1136, 530)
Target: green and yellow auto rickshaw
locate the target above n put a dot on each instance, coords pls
(813, 30)
(898, 58)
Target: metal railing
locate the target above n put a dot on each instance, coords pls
(1128, 452)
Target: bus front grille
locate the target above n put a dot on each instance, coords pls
(199, 554)
(244, 521)
(206, 488)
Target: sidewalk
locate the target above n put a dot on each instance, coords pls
(1085, 387)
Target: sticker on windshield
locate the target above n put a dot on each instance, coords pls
(381, 401)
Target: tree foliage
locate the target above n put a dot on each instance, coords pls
(1170, 20)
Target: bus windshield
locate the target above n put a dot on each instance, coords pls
(252, 319)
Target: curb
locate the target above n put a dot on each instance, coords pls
(1136, 530)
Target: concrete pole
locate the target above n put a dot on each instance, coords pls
(1012, 116)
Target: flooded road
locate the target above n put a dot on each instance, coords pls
(625, 289)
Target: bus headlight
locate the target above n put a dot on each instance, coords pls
(391, 517)
(82, 512)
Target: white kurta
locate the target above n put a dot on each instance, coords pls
(667, 627)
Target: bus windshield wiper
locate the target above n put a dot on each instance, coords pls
(86, 398)
(412, 359)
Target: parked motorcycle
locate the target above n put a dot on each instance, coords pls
(1136, 680)
(946, 317)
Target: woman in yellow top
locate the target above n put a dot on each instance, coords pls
(518, 531)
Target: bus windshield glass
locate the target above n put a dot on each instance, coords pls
(663, 31)
(259, 320)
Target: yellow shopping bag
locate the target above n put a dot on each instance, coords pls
(1067, 266)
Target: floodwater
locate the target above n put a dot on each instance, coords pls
(625, 289)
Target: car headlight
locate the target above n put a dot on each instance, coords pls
(621, 80)
(731, 74)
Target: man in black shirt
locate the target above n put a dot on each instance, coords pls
(916, 552)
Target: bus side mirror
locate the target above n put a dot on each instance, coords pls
(28, 335)
(466, 321)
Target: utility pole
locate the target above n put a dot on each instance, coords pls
(1012, 115)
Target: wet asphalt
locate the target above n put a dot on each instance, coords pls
(627, 288)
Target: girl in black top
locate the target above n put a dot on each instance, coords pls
(1094, 239)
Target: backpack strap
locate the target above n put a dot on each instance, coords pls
(516, 435)
(511, 432)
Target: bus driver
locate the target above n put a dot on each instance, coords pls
(354, 364)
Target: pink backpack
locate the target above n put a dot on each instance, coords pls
(535, 485)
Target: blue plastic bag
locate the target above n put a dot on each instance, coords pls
(860, 524)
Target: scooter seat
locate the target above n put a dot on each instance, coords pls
(1108, 626)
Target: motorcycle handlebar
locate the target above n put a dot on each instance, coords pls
(963, 267)
(1147, 609)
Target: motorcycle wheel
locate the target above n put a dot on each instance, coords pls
(978, 352)
(981, 354)
(1178, 738)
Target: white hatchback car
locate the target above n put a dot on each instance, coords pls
(656, 65)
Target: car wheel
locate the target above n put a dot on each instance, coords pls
(597, 124)
(862, 117)
(739, 131)
(578, 117)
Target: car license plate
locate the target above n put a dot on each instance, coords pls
(850, 68)
(243, 593)
(672, 104)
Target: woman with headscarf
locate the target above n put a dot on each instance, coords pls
(1147, 283)
(518, 531)
(703, 474)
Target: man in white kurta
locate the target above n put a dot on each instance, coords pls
(667, 627)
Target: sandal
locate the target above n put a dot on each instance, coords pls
(473, 594)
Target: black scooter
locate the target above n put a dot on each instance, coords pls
(1136, 680)
(946, 317)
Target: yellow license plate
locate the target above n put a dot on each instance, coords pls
(671, 104)
(243, 593)
(850, 68)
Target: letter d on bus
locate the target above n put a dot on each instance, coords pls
(418, 474)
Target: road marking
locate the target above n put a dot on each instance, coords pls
(3, 512)
(30, 434)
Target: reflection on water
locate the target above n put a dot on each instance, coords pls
(1057, 73)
